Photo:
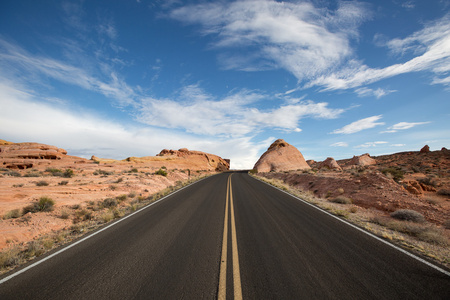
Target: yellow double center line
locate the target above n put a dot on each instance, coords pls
(235, 256)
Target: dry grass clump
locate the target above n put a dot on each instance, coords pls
(408, 215)
(342, 200)
(42, 183)
(12, 214)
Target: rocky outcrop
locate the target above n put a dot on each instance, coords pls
(25, 155)
(209, 161)
(362, 160)
(281, 156)
(425, 149)
(330, 163)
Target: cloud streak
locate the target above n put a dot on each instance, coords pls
(359, 125)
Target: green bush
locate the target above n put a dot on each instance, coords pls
(161, 172)
(44, 204)
(68, 173)
(408, 215)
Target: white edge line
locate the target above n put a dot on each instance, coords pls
(93, 234)
(362, 230)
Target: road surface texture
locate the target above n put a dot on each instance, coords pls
(229, 237)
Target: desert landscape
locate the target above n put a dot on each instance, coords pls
(403, 197)
(48, 198)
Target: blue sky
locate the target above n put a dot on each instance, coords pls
(129, 78)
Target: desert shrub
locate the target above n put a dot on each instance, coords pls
(433, 236)
(342, 200)
(13, 173)
(64, 215)
(118, 213)
(34, 248)
(83, 215)
(64, 182)
(161, 172)
(132, 194)
(68, 173)
(54, 171)
(112, 187)
(122, 197)
(353, 209)
(42, 183)
(76, 206)
(109, 202)
(396, 173)
(134, 170)
(428, 181)
(408, 215)
(253, 171)
(103, 172)
(119, 180)
(45, 204)
(12, 214)
(10, 257)
(443, 192)
(107, 216)
(32, 174)
(340, 190)
(18, 185)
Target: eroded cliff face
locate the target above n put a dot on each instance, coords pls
(210, 161)
(281, 156)
(29, 155)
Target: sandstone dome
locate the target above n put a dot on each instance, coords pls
(281, 156)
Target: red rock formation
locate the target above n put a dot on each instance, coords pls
(362, 160)
(25, 155)
(425, 149)
(330, 163)
(210, 161)
(281, 156)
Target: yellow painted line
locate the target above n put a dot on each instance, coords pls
(235, 256)
(236, 272)
(223, 260)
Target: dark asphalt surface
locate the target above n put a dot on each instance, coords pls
(287, 250)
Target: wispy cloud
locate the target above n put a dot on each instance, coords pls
(403, 126)
(339, 144)
(19, 61)
(359, 125)
(378, 93)
(299, 37)
(371, 144)
(431, 46)
(235, 115)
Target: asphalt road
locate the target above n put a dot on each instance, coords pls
(229, 236)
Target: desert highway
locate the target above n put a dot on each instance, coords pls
(229, 236)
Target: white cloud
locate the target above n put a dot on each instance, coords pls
(378, 93)
(339, 144)
(431, 46)
(18, 61)
(398, 145)
(403, 126)
(371, 144)
(360, 125)
(26, 119)
(236, 115)
(299, 37)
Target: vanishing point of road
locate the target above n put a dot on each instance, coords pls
(228, 236)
